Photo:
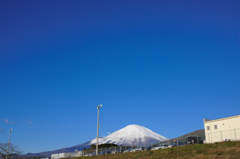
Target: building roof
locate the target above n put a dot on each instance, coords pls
(209, 121)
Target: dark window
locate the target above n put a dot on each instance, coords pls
(208, 128)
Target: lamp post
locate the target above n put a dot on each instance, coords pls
(9, 142)
(97, 128)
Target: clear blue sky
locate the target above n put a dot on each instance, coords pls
(164, 65)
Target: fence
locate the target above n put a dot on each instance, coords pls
(184, 140)
(219, 136)
(232, 134)
(103, 151)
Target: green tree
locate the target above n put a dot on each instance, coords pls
(106, 145)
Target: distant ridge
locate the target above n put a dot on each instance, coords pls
(199, 132)
(131, 135)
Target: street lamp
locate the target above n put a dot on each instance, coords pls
(9, 142)
(97, 128)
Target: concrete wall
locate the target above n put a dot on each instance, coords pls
(62, 155)
(222, 129)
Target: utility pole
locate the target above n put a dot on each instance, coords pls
(9, 143)
(98, 128)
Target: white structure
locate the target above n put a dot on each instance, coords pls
(223, 129)
(63, 155)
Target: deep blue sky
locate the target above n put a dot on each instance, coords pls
(164, 65)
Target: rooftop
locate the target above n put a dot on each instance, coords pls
(208, 120)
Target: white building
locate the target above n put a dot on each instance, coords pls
(63, 155)
(222, 129)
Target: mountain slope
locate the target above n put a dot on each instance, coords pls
(199, 133)
(130, 135)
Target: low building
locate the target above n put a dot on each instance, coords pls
(223, 129)
(68, 155)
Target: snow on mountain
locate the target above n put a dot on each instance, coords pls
(132, 135)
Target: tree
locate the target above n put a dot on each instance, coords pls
(13, 150)
(93, 146)
(107, 145)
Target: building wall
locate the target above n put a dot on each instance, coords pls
(62, 155)
(222, 129)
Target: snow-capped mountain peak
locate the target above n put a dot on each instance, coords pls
(131, 135)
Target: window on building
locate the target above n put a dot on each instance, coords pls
(208, 128)
(215, 127)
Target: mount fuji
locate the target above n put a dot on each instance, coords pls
(131, 135)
